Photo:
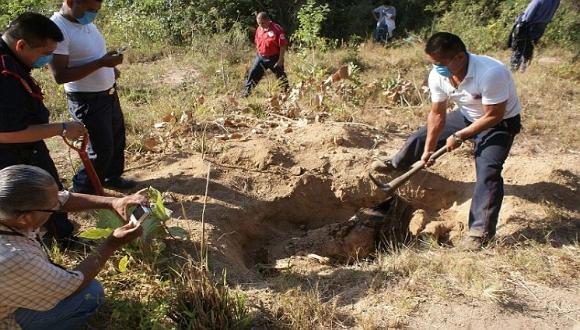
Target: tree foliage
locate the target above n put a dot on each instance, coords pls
(484, 24)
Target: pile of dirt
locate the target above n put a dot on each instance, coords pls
(289, 192)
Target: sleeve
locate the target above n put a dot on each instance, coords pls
(531, 10)
(62, 48)
(282, 40)
(494, 85)
(37, 284)
(437, 92)
(377, 10)
(13, 116)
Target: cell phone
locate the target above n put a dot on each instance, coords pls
(139, 214)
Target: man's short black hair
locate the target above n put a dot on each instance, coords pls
(445, 44)
(33, 28)
(387, 2)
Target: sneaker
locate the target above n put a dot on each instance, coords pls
(383, 166)
(470, 243)
(119, 183)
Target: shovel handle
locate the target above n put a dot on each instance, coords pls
(92, 174)
(390, 187)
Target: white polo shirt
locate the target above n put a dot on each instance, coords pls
(83, 44)
(488, 81)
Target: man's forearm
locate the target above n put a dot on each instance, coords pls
(77, 72)
(282, 53)
(485, 122)
(92, 264)
(82, 202)
(435, 124)
(33, 133)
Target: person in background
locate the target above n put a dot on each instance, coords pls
(271, 45)
(36, 293)
(82, 63)
(527, 31)
(487, 111)
(385, 16)
(27, 44)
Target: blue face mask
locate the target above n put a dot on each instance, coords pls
(442, 70)
(87, 18)
(42, 61)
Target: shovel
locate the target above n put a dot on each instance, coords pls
(390, 187)
(81, 148)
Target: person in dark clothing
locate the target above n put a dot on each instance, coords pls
(528, 29)
(24, 120)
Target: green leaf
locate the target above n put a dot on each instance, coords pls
(157, 206)
(123, 264)
(178, 232)
(151, 228)
(96, 233)
(108, 219)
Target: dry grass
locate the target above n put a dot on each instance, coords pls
(388, 291)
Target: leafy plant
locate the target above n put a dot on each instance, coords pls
(310, 18)
(154, 226)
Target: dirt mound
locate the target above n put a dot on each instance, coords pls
(292, 192)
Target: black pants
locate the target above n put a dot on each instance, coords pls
(261, 64)
(36, 154)
(101, 113)
(492, 147)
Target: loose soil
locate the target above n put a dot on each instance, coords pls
(281, 195)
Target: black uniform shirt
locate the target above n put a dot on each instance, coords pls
(18, 108)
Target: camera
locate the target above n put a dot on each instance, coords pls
(139, 214)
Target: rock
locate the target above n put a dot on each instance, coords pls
(418, 222)
(296, 170)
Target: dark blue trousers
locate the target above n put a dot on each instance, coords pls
(523, 44)
(492, 147)
(36, 154)
(261, 64)
(101, 114)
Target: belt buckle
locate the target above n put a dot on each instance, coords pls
(112, 91)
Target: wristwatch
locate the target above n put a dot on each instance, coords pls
(63, 132)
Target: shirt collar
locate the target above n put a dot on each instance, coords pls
(6, 49)
(470, 66)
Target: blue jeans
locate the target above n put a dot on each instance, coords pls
(104, 120)
(71, 313)
(492, 147)
(261, 64)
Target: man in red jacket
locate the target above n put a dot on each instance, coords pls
(271, 46)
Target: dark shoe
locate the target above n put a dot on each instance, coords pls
(382, 165)
(119, 183)
(470, 243)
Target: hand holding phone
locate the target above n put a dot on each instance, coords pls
(139, 214)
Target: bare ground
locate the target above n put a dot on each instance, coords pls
(284, 181)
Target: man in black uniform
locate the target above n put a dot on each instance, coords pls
(28, 43)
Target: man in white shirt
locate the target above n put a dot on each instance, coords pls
(36, 293)
(82, 63)
(487, 111)
(385, 16)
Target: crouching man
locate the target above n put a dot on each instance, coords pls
(36, 293)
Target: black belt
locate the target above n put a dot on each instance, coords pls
(78, 96)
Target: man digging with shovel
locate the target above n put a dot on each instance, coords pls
(487, 111)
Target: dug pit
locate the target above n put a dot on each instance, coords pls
(301, 193)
